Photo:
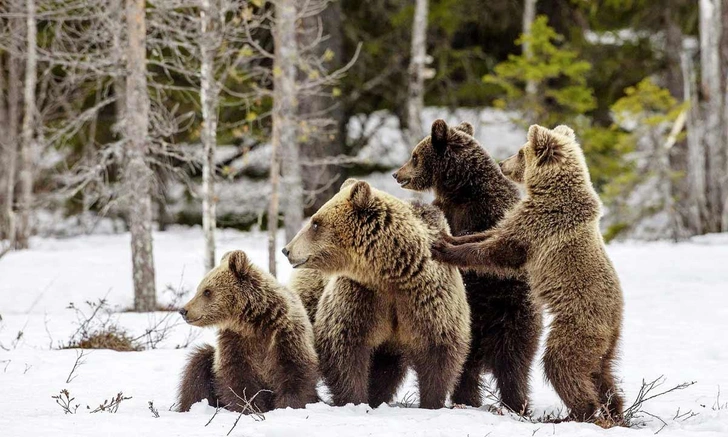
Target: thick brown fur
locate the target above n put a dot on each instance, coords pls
(474, 195)
(265, 345)
(388, 304)
(309, 284)
(553, 235)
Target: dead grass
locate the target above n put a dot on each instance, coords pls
(112, 337)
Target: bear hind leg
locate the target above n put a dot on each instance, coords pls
(386, 373)
(513, 351)
(469, 388)
(438, 369)
(609, 395)
(198, 380)
(571, 367)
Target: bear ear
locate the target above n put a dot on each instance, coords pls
(439, 135)
(565, 131)
(465, 127)
(348, 182)
(361, 195)
(546, 147)
(238, 263)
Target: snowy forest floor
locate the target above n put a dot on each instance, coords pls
(676, 326)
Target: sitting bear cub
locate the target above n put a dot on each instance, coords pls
(264, 349)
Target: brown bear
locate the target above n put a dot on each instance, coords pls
(265, 352)
(388, 304)
(471, 190)
(553, 235)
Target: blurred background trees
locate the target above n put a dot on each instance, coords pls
(82, 149)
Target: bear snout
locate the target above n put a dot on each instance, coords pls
(285, 252)
(394, 175)
(183, 313)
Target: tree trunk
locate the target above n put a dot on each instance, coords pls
(209, 100)
(418, 63)
(678, 154)
(284, 128)
(710, 82)
(529, 15)
(14, 83)
(137, 174)
(27, 145)
(274, 203)
(4, 151)
(723, 42)
(119, 77)
(285, 111)
(324, 114)
(697, 202)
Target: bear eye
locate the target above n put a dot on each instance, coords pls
(207, 292)
(414, 160)
(315, 225)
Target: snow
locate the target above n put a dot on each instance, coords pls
(675, 325)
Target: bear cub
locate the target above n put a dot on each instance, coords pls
(265, 351)
(474, 194)
(553, 235)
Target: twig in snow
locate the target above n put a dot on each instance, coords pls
(664, 424)
(248, 408)
(717, 406)
(110, 405)
(217, 410)
(64, 400)
(80, 354)
(155, 412)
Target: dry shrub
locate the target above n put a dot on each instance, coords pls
(97, 330)
(112, 338)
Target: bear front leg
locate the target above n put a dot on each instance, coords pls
(503, 258)
(198, 380)
(296, 370)
(345, 320)
(237, 384)
(386, 373)
(466, 239)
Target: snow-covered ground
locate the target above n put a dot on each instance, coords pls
(676, 325)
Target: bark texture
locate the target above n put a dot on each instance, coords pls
(285, 113)
(27, 144)
(209, 99)
(418, 63)
(137, 173)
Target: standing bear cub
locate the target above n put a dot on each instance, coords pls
(388, 304)
(474, 195)
(553, 234)
(265, 351)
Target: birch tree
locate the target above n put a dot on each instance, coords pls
(27, 144)
(417, 73)
(137, 174)
(14, 84)
(209, 99)
(529, 14)
(283, 141)
(4, 148)
(712, 110)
